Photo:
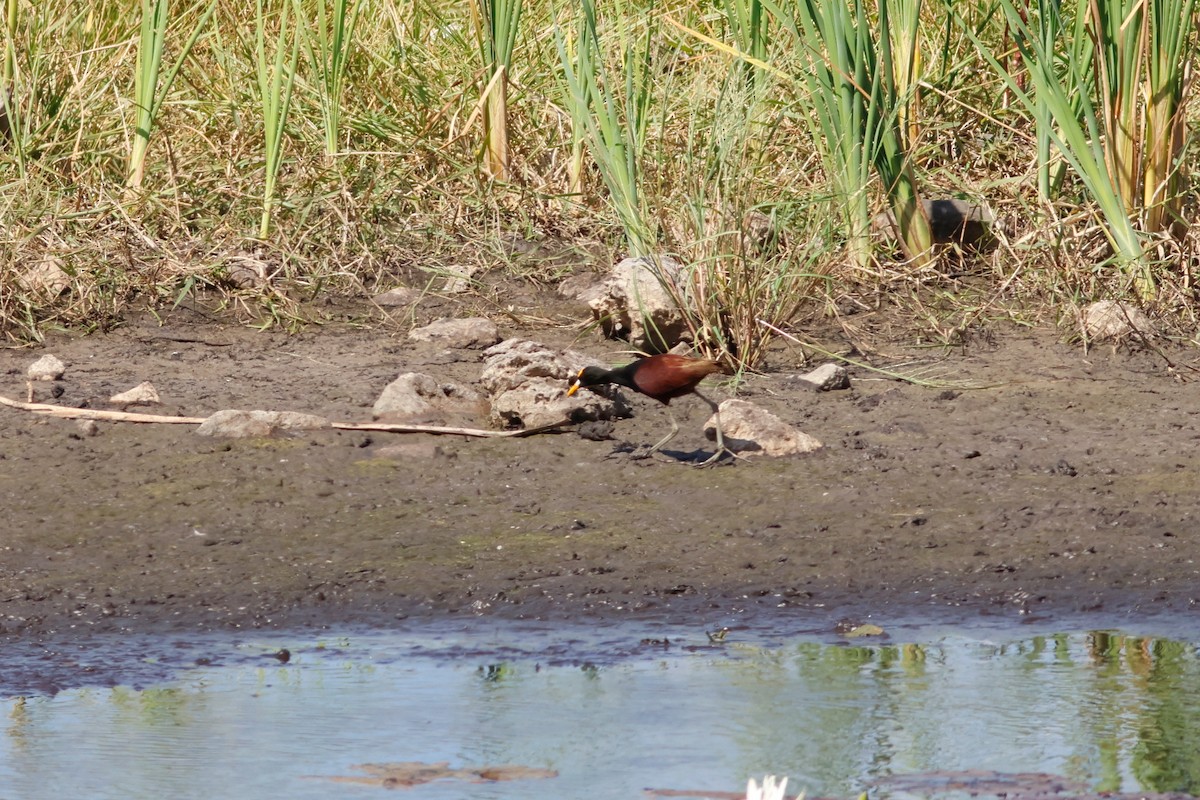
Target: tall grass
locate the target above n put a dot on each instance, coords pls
(276, 74)
(614, 104)
(858, 106)
(746, 276)
(1115, 114)
(496, 24)
(1054, 31)
(628, 135)
(328, 39)
(150, 85)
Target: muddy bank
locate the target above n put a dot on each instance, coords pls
(1067, 486)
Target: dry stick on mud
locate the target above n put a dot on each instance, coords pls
(385, 427)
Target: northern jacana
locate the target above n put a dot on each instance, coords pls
(663, 378)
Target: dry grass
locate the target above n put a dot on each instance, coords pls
(406, 188)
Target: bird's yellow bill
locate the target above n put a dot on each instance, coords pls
(574, 388)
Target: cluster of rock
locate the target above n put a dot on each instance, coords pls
(522, 385)
(47, 374)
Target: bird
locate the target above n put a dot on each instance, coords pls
(663, 378)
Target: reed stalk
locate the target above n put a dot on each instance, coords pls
(328, 41)
(614, 109)
(748, 28)
(907, 66)
(150, 85)
(10, 121)
(1171, 48)
(496, 24)
(850, 80)
(276, 75)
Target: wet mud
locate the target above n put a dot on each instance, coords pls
(1060, 482)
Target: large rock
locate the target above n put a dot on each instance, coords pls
(527, 384)
(237, 424)
(1108, 320)
(416, 396)
(752, 430)
(633, 303)
(464, 333)
(144, 394)
(828, 377)
(46, 368)
(47, 277)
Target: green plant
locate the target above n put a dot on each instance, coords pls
(614, 109)
(148, 95)
(849, 79)
(496, 25)
(328, 40)
(276, 77)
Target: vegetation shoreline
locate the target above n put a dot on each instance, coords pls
(265, 158)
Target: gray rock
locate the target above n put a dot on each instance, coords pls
(247, 271)
(47, 277)
(760, 233)
(580, 287)
(472, 332)
(633, 303)
(144, 394)
(415, 395)
(1108, 320)
(398, 297)
(46, 368)
(87, 427)
(752, 430)
(458, 277)
(527, 383)
(828, 377)
(237, 424)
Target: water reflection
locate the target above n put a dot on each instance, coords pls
(1111, 711)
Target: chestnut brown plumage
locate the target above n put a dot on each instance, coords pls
(663, 378)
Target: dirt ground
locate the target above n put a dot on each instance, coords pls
(1067, 485)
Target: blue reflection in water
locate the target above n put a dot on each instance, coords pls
(614, 717)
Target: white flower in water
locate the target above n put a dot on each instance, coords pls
(769, 789)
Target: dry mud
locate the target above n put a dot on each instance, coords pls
(1067, 485)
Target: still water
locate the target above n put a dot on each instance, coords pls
(612, 711)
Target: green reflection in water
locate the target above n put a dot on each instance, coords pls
(1116, 706)
(1112, 711)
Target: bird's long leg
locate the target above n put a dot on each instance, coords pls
(669, 436)
(721, 449)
